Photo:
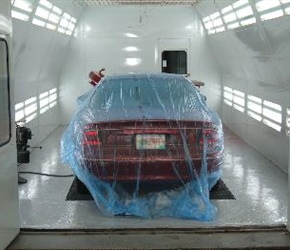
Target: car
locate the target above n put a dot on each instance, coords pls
(150, 128)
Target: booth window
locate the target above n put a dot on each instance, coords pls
(228, 96)
(5, 118)
(174, 62)
(288, 121)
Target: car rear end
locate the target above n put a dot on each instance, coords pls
(151, 150)
(150, 128)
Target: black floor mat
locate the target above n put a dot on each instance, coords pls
(219, 192)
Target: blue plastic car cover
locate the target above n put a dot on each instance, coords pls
(146, 145)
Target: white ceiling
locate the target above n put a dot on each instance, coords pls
(133, 2)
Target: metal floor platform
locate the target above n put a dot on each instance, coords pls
(260, 189)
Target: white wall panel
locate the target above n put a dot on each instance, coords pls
(101, 39)
(38, 59)
(39, 55)
(255, 60)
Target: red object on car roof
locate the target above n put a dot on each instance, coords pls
(96, 76)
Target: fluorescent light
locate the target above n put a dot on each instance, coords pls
(18, 15)
(254, 98)
(240, 3)
(287, 11)
(61, 30)
(30, 109)
(272, 15)
(228, 95)
(19, 115)
(267, 4)
(272, 105)
(57, 10)
(288, 118)
(23, 5)
(50, 26)
(44, 94)
(38, 22)
(272, 125)
(88, 28)
(248, 21)
(230, 17)
(233, 26)
(68, 32)
(53, 18)
(228, 102)
(217, 22)
(131, 49)
(52, 97)
(255, 107)
(131, 35)
(46, 4)
(30, 118)
(206, 19)
(247, 11)
(208, 25)
(63, 23)
(214, 15)
(133, 61)
(40, 12)
(43, 110)
(227, 89)
(221, 29)
(239, 93)
(30, 100)
(227, 9)
(255, 116)
(239, 108)
(43, 102)
(71, 26)
(19, 105)
(67, 16)
(273, 115)
(52, 91)
(239, 100)
(52, 104)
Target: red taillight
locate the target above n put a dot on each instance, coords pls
(210, 136)
(91, 138)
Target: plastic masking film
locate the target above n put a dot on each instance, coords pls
(146, 145)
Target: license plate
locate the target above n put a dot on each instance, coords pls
(150, 141)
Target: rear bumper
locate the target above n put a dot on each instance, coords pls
(150, 170)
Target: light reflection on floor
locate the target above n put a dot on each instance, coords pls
(259, 186)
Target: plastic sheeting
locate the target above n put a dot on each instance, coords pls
(146, 145)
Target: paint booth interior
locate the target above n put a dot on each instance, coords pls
(238, 49)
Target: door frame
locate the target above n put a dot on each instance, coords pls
(9, 205)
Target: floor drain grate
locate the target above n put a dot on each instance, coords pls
(219, 192)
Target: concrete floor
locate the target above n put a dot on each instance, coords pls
(259, 186)
(255, 220)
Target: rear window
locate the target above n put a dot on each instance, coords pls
(149, 92)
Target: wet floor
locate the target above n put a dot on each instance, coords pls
(260, 189)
